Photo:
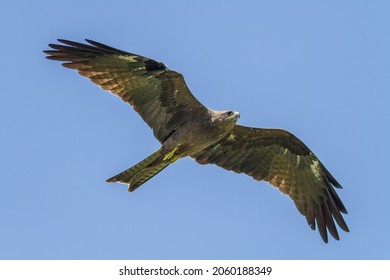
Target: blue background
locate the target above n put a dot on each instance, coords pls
(319, 69)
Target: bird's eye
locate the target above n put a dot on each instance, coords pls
(230, 113)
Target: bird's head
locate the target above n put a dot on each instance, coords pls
(226, 119)
(233, 115)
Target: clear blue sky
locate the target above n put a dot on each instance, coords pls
(320, 70)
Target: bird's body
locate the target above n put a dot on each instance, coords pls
(185, 127)
(217, 124)
(180, 143)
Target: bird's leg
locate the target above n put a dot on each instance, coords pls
(171, 156)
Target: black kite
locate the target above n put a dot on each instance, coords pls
(185, 127)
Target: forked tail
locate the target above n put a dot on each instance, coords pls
(141, 172)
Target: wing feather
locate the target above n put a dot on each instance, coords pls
(158, 94)
(281, 159)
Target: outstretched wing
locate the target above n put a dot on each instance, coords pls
(278, 157)
(158, 94)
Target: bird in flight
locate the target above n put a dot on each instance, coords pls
(186, 128)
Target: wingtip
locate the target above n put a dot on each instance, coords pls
(334, 234)
(89, 41)
(48, 54)
(63, 41)
(96, 44)
(344, 227)
(324, 236)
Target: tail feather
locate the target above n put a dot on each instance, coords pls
(141, 172)
(145, 175)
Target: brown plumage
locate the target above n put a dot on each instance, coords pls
(185, 127)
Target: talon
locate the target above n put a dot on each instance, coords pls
(174, 158)
(171, 155)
